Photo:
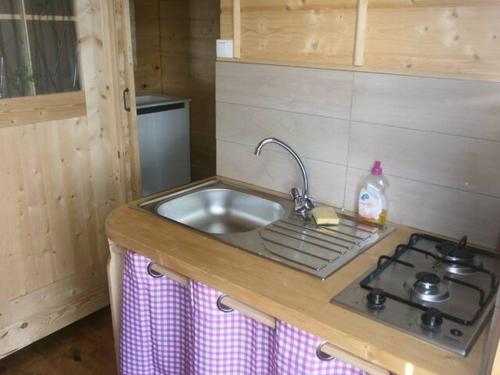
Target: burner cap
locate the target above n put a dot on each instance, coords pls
(428, 279)
(455, 251)
(427, 286)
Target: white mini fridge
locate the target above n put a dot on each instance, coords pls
(164, 143)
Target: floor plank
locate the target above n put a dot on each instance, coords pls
(83, 348)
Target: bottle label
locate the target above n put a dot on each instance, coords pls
(370, 206)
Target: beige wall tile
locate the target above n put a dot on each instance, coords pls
(437, 209)
(467, 108)
(463, 163)
(439, 141)
(278, 171)
(313, 137)
(313, 91)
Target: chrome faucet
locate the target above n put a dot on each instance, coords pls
(303, 203)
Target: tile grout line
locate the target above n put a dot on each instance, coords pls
(349, 133)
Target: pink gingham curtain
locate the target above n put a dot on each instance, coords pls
(169, 329)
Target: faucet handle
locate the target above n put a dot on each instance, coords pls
(295, 193)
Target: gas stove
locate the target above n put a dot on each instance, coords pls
(439, 290)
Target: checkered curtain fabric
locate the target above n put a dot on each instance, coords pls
(170, 329)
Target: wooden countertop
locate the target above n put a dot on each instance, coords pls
(287, 294)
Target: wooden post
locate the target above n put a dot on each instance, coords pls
(115, 266)
(236, 29)
(359, 41)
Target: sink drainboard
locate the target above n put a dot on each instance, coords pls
(318, 250)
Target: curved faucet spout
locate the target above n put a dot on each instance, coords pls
(303, 203)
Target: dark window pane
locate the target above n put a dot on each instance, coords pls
(38, 54)
(54, 56)
(9, 6)
(49, 7)
(14, 76)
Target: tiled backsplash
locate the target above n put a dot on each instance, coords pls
(438, 139)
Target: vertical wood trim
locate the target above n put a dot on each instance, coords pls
(135, 164)
(359, 41)
(116, 262)
(236, 29)
(117, 115)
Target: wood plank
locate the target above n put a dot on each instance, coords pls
(148, 74)
(357, 362)
(81, 349)
(301, 90)
(450, 38)
(296, 35)
(19, 334)
(188, 32)
(313, 137)
(237, 29)
(359, 40)
(443, 40)
(436, 208)
(259, 5)
(37, 17)
(41, 108)
(277, 170)
(457, 107)
(456, 162)
(249, 311)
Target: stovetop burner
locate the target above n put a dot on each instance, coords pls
(436, 289)
(427, 286)
(428, 280)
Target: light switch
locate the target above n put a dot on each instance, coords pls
(225, 48)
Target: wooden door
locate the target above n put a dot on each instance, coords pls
(66, 160)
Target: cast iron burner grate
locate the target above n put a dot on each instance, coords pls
(385, 261)
(432, 288)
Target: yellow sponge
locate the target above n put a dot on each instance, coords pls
(325, 215)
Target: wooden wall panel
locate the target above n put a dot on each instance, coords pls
(452, 38)
(176, 57)
(451, 41)
(62, 172)
(147, 34)
(27, 110)
(188, 33)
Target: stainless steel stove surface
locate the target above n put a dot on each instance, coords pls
(438, 290)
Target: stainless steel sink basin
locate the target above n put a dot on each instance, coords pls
(266, 225)
(218, 210)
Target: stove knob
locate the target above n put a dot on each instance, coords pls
(376, 298)
(432, 318)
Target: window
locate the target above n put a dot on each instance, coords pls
(38, 48)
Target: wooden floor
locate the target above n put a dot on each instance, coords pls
(83, 348)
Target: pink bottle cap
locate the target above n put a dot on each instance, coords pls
(377, 168)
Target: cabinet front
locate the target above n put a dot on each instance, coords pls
(174, 327)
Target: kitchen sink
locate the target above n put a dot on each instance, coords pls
(266, 225)
(221, 210)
